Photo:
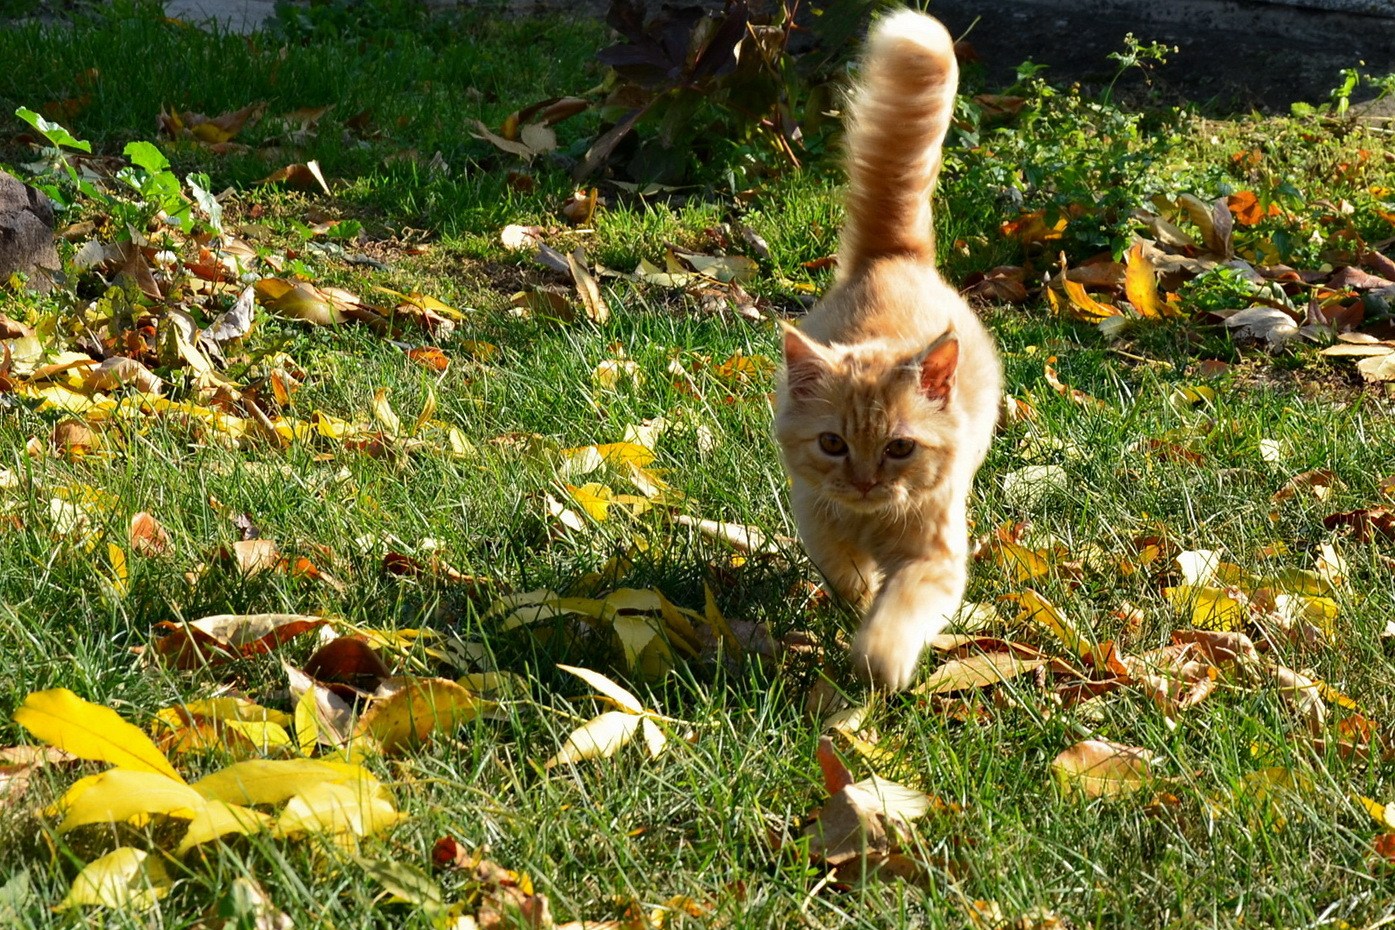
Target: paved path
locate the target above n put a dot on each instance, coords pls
(241, 16)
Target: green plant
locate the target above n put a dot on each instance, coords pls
(157, 190)
(1135, 54)
(685, 84)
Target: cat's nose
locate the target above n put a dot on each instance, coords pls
(866, 485)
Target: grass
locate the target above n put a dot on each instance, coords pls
(698, 821)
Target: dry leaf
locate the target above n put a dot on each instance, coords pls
(1099, 768)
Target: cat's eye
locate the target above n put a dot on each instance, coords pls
(833, 444)
(900, 448)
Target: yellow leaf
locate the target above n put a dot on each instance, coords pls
(90, 731)
(271, 781)
(622, 698)
(338, 809)
(1220, 609)
(419, 707)
(1039, 610)
(636, 633)
(307, 727)
(217, 819)
(1022, 562)
(593, 498)
(125, 878)
(224, 709)
(585, 459)
(384, 414)
(1141, 285)
(428, 410)
(599, 738)
(654, 739)
(1098, 768)
(117, 795)
(1384, 814)
(298, 300)
(977, 672)
(120, 583)
(1086, 307)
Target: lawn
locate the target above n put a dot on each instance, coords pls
(415, 469)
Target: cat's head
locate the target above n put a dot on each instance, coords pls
(869, 429)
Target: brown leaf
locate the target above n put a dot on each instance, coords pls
(592, 303)
(148, 537)
(429, 357)
(1213, 220)
(1004, 284)
(836, 776)
(1320, 482)
(212, 130)
(1366, 524)
(72, 439)
(865, 820)
(348, 661)
(224, 637)
(580, 206)
(305, 177)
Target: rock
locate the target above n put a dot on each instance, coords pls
(26, 233)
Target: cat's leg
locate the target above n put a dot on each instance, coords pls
(916, 602)
(848, 569)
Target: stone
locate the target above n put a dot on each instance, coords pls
(26, 233)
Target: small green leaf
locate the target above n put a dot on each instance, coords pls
(52, 131)
(146, 155)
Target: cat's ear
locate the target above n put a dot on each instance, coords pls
(805, 363)
(937, 367)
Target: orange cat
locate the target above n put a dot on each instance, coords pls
(891, 386)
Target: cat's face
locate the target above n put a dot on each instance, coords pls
(867, 434)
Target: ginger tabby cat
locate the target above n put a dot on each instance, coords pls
(891, 386)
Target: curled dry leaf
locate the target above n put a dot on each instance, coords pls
(348, 661)
(225, 637)
(1100, 768)
(415, 708)
(120, 371)
(865, 822)
(148, 537)
(125, 879)
(1366, 524)
(978, 671)
(305, 176)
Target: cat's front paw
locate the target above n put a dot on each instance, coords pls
(886, 656)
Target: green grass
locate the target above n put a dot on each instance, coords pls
(699, 820)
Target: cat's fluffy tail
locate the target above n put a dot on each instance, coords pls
(901, 111)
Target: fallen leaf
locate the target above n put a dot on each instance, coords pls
(415, 708)
(1366, 524)
(221, 638)
(125, 879)
(592, 303)
(1141, 285)
(90, 731)
(148, 537)
(306, 177)
(599, 738)
(978, 671)
(1100, 768)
